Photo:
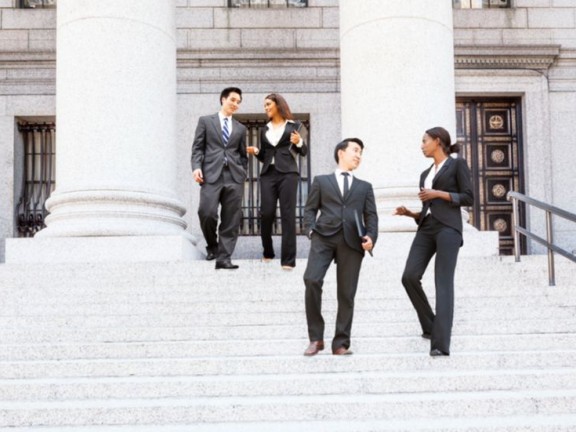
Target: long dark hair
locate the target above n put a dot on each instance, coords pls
(283, 108)
(444, 137)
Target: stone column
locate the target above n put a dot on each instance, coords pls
(116, 133)
(397, 78)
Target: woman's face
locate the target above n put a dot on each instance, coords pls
(429, 145)
(270, 108)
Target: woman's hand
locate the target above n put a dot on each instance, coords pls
(295, 137)
(430, 194)
(403, 211)
(252, 150)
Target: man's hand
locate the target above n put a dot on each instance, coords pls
(198, 177)
(367, 244)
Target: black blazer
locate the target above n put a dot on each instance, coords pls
(284, 160)
(208, 149)
(454, 178)
(337, 212)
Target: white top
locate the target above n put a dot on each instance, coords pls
(430, 178)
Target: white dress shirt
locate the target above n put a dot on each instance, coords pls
(340, 179)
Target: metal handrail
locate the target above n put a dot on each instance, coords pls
(550, 210)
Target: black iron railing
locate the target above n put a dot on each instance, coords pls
(250, 224)
(38, 176)
(480, 4)
(267, 3)
(550, 210)
(33, 4)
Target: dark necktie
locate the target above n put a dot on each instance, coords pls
(225, 131)
(346, 184)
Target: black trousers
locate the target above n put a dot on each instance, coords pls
(228, 194)
(433, 238)
(276, 186)
(323, 250)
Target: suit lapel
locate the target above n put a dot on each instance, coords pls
(442, 170)
(217, 128)
(334, 183)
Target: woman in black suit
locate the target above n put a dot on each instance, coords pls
(280, 146)
(444, 188)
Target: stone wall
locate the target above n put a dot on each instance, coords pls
(528, 51)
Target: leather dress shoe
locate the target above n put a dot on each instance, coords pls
(437, 353)
(210, 256)
(342, 351)
(314, 348)
(426, 336)
(226, 266)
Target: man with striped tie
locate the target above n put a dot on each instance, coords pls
(219, 163)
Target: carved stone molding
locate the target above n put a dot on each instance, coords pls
(539, 57)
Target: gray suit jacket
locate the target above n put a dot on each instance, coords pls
(337, 212)
(209, 151)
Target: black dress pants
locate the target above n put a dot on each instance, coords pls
(276, 186)
(323, 250)
(432, 238)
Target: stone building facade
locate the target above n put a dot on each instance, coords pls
(514, 81)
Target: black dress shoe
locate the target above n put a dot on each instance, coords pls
(210, 256)
(342, 351)
(226, 265)
(437, 353)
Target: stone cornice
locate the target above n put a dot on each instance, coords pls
(539, 57)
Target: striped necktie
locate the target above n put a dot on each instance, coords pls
(225, 131)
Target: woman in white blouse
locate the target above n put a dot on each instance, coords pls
(280, 145)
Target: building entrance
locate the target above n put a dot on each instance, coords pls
(490, 132)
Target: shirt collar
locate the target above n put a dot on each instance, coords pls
(339, 171)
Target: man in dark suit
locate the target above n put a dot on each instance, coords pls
(219, 163)
(341, 200)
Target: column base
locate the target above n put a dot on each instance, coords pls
(101, 249)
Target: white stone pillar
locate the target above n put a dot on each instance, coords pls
(116, 125)
(397, 78)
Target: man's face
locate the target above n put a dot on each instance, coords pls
(231, 103)
(350, 157)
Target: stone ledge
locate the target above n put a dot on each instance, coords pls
(505, 56)
(100, 249)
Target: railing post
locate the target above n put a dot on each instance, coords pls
(549, 239)
(515, 220)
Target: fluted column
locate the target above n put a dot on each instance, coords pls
(116, 122)
(397, 78)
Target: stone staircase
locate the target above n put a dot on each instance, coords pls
(173, 347)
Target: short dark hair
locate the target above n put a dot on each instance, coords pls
(444, 137)
(342, 145)
(226, 92)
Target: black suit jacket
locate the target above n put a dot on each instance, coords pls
(281, 154)
(208, 149)
(454, 178)
(337, 212)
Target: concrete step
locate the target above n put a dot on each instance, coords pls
(362, 328)
(511, 423)
(282, 363)
(287, 408)
(179, 346)
(265, 347)
(328, 383)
